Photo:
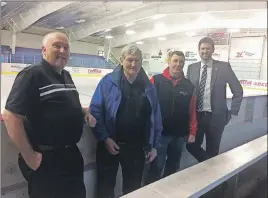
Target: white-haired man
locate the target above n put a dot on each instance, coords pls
(128, 125)
(44, 119)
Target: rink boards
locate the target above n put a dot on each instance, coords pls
(86, 80)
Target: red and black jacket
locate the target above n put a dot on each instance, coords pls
(177, 103)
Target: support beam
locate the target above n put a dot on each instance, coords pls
(82, 31)
(145, 12)
(187, 26)
(106, 49)
(13, 43)
(26, 19)
(239, 19)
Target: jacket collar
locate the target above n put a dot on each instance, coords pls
(167, 76)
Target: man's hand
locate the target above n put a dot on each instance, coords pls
(111, 146)
(33, 160)
(89, 119)
(17, 134)
(191, 139)
(151, 155)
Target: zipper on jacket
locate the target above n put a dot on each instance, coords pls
(173, 97)
(173, 91)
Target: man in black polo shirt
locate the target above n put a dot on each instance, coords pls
(44, 119)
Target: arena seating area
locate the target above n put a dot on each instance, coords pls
(29, 56)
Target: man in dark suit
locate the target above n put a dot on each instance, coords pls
(210, 78)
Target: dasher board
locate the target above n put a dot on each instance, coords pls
(203, 177)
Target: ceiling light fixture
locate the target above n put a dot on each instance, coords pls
(3, 3)
(160, 26)
(190, 34)
(80, 21)
(158, 16)
(203, 20)
(59, 28)
(233, 30)
(109, 37)
(108, 30)
(162, 39)
(139, 42)
(129, 32)
(260, 15)
(129, 24)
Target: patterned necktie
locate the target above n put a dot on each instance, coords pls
(201, 91)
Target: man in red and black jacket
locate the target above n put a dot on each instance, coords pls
(177, 104)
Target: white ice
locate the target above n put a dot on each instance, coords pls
(86, 87)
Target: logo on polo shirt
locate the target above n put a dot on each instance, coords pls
(183, 93)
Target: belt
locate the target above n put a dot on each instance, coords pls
(45, 148)
(205, 113)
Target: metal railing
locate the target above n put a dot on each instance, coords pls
(113, 59)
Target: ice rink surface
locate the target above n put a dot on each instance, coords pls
(86, 86)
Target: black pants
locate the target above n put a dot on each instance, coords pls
(60, 175)
(131, 158)
(213, 128)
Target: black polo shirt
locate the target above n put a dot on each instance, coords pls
(134, 112)
(50, 102)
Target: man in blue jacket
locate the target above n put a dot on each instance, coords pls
(129, 124)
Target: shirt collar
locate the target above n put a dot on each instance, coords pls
(209, 63)
(174, 81)
(49, 67)
(137, 80)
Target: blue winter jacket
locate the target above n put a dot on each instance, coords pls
(106, 100)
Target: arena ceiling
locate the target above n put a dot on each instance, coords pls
(138, 21)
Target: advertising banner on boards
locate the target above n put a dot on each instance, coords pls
(246, 48)
(257, 84)
(14, 68)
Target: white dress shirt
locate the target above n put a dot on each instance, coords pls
(207, 93)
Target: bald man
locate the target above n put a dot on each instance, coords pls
(44, 119)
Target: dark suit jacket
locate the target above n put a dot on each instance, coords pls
(222, 74)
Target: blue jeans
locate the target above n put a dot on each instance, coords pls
(168, 158)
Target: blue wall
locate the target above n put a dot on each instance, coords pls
(29, 56)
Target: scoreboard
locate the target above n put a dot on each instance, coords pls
(220, 38)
